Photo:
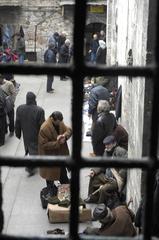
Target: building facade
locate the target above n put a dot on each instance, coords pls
(41, 20)
(130, 38)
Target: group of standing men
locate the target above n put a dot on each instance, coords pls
(59, 51)
(97, 48)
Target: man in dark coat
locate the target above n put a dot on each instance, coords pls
(2, 117)
(93, 48)
(115, 222)
(52, 140)
(98, 92)
(50, 57)
(104, 126)
(29, 118)
(106, 184)
(20, 48)
(64, 55)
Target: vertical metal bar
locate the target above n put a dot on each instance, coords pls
(153, 5)
(1, 212)
(78, 45)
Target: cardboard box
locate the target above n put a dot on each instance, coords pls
(57, 214)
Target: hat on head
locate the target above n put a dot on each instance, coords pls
(100, 211)
(30, 98)
(109, 139)
(103, 214)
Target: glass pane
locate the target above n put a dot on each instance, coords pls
(27, 29)
(24, 204)
(126, 115)
(107, 194)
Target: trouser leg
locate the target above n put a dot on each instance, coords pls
(50, 79)
(52, 189)
(11, 120)
(63, 176)
(31, 170)
(2, 129)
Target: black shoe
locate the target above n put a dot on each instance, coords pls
(90, 200)
(31, 171)
(11, 134)
(50, 91)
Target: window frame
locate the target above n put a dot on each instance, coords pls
(77, 71)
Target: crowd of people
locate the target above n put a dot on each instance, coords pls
(59, 51)
(107, 186)
(97, 49)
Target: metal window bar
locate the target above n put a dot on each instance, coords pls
(77, 72)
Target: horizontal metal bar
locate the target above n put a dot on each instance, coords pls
(35, 161)
(41, 69)
(36, 69)
(9, 237)
(83, 163)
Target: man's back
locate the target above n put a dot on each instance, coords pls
(28, 121)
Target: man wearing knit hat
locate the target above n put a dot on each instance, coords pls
(115, 222)
(29, 118)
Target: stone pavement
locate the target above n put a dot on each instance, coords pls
(23, 214)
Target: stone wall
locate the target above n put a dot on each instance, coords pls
(39, 22)
(111, 32)
(130, 31)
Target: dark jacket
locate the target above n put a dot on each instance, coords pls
(64, 54)
(29, 118)
(121, 136)
(50, 56)
(97, 93)
(2, 103)
(103, 127)
(94, 45)
(101, 56)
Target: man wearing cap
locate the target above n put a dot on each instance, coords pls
(115, 222)
(106, 184)
(29, 118)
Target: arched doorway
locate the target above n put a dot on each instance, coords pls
(91, 29)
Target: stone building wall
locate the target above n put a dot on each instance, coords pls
(39, 22)
(111, 32)
(130, 28)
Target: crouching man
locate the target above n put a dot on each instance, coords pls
(115, 222)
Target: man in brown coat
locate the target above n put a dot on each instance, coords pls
(106, 183)
(52, 140)
(115, 222)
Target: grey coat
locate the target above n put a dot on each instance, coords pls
(97, 93)
(29, 118)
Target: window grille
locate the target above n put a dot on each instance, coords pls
(76, 162)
